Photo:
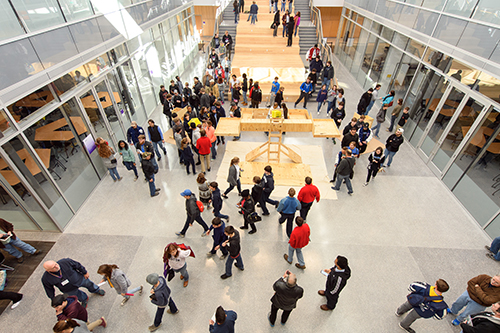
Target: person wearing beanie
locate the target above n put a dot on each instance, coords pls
(160, 296)
(336, 280)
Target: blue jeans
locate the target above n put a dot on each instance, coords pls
(296, 29)
(160, 311)
(114, 173)
(157, 151)
(131, 166)
(471, 306)
(87, 283)
(393, 119)
(389, 155)
(340, 179)
(369, 107)
(254, 18)
(330, 107)
(214, 150)
(132, 291)
(152, 186)
(229, 264)
(376, 129)
(244, 94)
(230, 188)
(20, 244)
(283, 6)
(495, 247)
(217, 213)
(327, 82)
(300, 257)
(285, 31)
(320, 104)
(236, 14)
(290, 8)
(183, 271)
(221, 95)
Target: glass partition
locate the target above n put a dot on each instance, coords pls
(388, 74)
(133, 99)
(68, 81)
(76, 9)
(95, 116)
(9, 24)
(39, 14)
(402, 79)
(461, 8)
(27, 106)
(105, 99)
(367, 59)
(488, 86)
(493, 229)
(487, 11)
(123, 106)
(5, 126)
(360, 51)
(379, 61)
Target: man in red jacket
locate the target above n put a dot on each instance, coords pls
(298, 239)
(204, 145)
(306, 196)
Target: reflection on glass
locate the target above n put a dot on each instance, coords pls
(415, 48)
(69, 81)
(443, 118)
(9, 24)
(401, 81)
(97, 65)
(458, 131)
(388, 74)
(4, 122)
(95, 117)
(39, 14)
(449, 29)
(31, 169)
(462, 8)
(131, 92)
(379, 59)
(109, 109)
(426, 21)
(434, 4)
(360, 51)
(487, 85)
(116, 88)
(76, 9)
(28, 105)
(487, 11)
(493, 229)
(438, 59)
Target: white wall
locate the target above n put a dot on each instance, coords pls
(206, 2)
(325, 3)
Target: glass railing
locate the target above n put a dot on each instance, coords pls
(326, 50)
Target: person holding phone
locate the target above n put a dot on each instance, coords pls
(286, 295)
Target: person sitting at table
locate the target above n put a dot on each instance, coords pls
(133, 133)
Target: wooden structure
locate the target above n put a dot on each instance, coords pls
(299, 120)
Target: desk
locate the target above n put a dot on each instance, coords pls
(479, 140)
(30, 163)
(50, 131)
(36, 100)
(89, 101)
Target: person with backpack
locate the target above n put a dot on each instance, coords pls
(149, 170)
(193, 213)
(483, 322)
(247, 205)
(256, 95)
(424, 301)
(380, 119)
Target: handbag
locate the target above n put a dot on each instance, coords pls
(200, 206)
(254, 217)
(273, 26)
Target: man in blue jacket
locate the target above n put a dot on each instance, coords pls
(305, 92)
(160, 296)
(68, 275)
(287, 208)
(133, 133)
(275, 87)
(424, 301)
(224, 321)
(254, 9)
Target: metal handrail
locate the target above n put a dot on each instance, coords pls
(326, 50)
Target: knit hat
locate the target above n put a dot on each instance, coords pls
(152, 278)
(245, 193)
(401, 130)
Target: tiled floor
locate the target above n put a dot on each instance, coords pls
(405, 226)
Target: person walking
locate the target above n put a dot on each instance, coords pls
(187, 155)
(107, 154)
(219, 237)
(322, 97)
(149, 172)
(133, 133)
(344, 171)
(156, 137)
(204, 145)
(376, 159)
(204, 190)
(68, 307)
(75, 326)
(11, 243)
(328, 74)
(424, 301)
(297, 23)
(290, 26)
(128, 157)
(482, 291)
(276, 23)
(192, 214)
(144, 146)
(394, 141)
(305, 92)
(338, 115)
(287, 207)
(364, 101)
(267, 183)
(373, 99)
(286, 295)
(298, 240)
(161, 296)
(217, 201)
(365, 135)
(233, 177)
(234, 248)
(395, 114)
(380, 119)
(68, 275)
(306, 197)
(236, 10)
(175, 258)
(336, 280)
(224, 321)
(254, 9)
(247, 206)
(117, 279)
(275, 87)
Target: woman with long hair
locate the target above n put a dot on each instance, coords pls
(376, 160)
(128, 157)
(256, 95)
(204, 189)
(233, 177)
(76, 326)
(118, 280)
(107, 154)
(297, 23)
(177, 261)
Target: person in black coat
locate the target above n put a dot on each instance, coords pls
(290, 28)
(168, 107)
(286, 295)
(248, 207)
(364, 101)
(193, 214)
(187, 155)
(335, 282)
(392, 145)
(161, 297)
(483, 322)
(276, 23)
(376, 160)
(256, 189)
(338, 114)
(149, 172)
(350, 137)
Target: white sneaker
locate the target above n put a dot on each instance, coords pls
(15, 305)
(365, 184)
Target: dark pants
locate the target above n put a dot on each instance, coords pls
(152, 186)
(180, 155)
(229, 264)
(331, 300)
(264, 199)
(131, 166)
(214, 150)
(255, 104)
(14, 297)
(275, 32)
(217, 213)
(160, 311)
(190, 220)
(289, 222)
(190, 163)
(372, 172)
(197, 153)
(410, 317)
(86, 283)
(274, 313)
(219, 139)
(230, 188)
(303, 95)
(246, 222)
(362, 148)
(393, 119)
(289, 41)
(304, 209)
(223, 249)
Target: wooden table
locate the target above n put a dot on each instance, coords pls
(479, 139)
(36, 100)
(89, 101)
(368, 119)
(30, 163)
(50, 131)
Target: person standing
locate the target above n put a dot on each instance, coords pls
(328, 74)
(350, 137)
(290, 5)
(394, 141)
(133, 133)
(305, 92)
(487, 322)
(364, 101)
(307, 195)
(217, 201)
(482, 291)
(284, 21)
(275, 87)
(290, 26)
(287, 207)
(161, 297)
(68, 275)
(395, 114)
(322, 97)
(233, 177)
(204, 190)
(338, 114)
(242, 6)
(336, 281)
(228, 43)
(168, 107)
(176, 261)
(376, 159)
(192, 214)
(128, 157)
(380, 119)
(224, 321)
(14, 243)
(255, 95)
(365, 135)
(107, 154)
(286, 295)
(156, 137)
(424, 301)
(254, 9)
(204, 145)
(247, 206)
(344, 171)
(236, 10)
(404, 118)
(276, 23)
(144, 146)
(234, 248)
(149, 172)
(219, 237)
(374, 98)
(117, 279)
(244, 89)
(297, 23)
(298, 240)
(187, 155)
(267, 183)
